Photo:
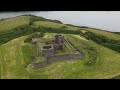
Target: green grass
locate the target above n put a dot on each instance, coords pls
(15, 54)
(28, 52)
(35, 39)
(69, 48)
(49, 36)
(48, 24)
(14, 58)
(65, 51)
(53, 25)
(12, 23)
(40, 59)
(87, 49)
(105, 33)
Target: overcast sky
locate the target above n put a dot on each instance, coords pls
(99, 19)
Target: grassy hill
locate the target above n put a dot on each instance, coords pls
(53, 25)
(12, 23)
(16, 55)
(57, 25)
(105, 33)
(13, 58)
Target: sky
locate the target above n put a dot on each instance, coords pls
(107, 20)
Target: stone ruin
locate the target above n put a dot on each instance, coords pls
(47, 50)
(59, 42)
(53, 45)
(59, 39)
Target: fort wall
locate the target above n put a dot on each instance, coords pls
(49, 49)
(57, 58)
(40, 64)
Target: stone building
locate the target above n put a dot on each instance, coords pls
(54, 45)
(58, 46)
(47, 50)
(59, 42)
(59, 39)
(50, 48)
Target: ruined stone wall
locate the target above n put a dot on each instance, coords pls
(57, 58)
(47, 52)
(40, 64)
(62, 57)
(59, 39)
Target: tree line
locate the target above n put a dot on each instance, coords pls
(102, 40)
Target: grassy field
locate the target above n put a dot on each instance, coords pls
(53, 25)
(12, 23)
(16, 55)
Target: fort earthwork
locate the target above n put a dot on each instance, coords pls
(48, 51)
